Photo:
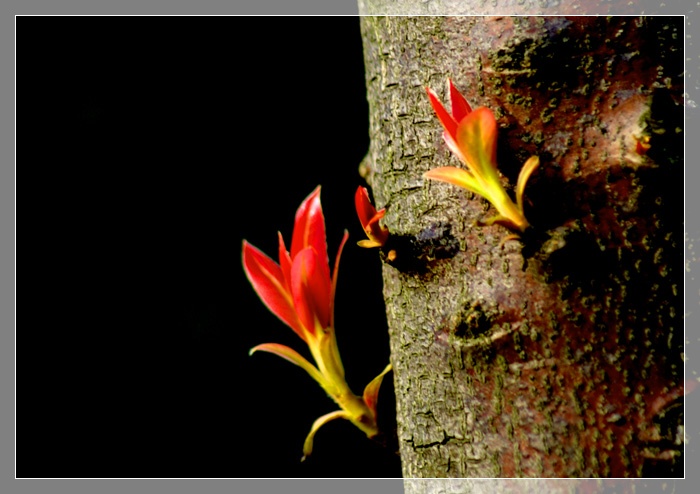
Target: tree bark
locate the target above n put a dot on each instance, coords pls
(559, 354)
(496, 7)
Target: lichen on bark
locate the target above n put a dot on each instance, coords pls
(558, 355)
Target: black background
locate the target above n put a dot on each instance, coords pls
(150, 147)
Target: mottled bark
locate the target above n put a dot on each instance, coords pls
(496, 7)
(559, 354)
(518, 486)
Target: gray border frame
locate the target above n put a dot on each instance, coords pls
(281, 7)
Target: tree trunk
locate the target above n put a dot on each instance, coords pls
(558, 354)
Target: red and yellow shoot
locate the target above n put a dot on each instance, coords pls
(471, 135)
(300, 291)
(377, 235)
(643, 144)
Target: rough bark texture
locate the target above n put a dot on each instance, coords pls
(495, 7)
(559, 355)
(518, 486)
